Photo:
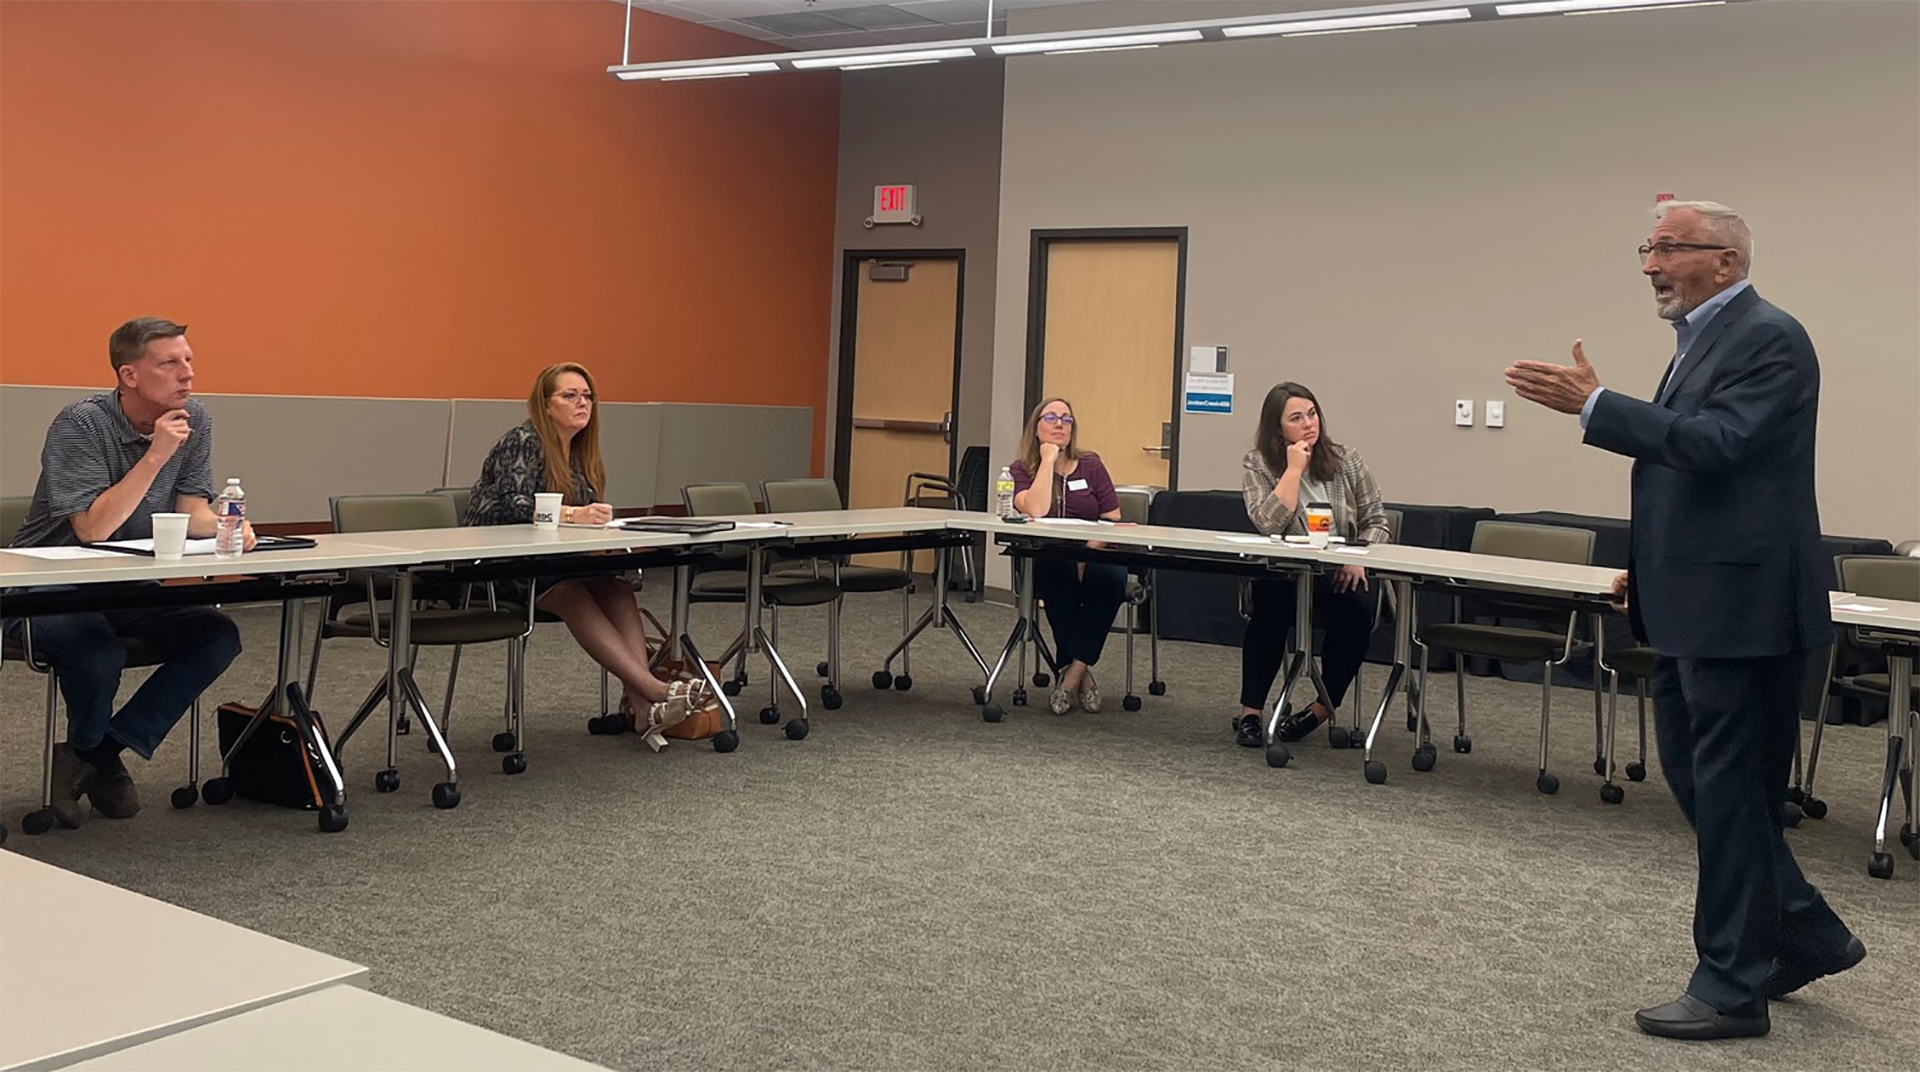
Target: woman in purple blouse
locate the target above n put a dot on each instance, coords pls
(1054, 478)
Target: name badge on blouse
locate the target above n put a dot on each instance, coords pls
(1076, 485)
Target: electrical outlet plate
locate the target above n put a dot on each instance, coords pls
(1496, 414)
(1463, 412)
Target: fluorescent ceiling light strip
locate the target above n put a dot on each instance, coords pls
(1561, 7)
(703, 77)
(1354, 22)
(1104, 48)
(1351, 29)
(895, 63)
(927, 54)
(1084, 44)
(711, 70)
(1654, 7)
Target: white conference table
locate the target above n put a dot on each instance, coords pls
(1894, 622)
(338, 1029)
(170, 969)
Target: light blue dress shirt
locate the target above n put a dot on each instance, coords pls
(1686, 329)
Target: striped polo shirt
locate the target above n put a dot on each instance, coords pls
(91, 447)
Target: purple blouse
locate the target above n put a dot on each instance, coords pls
(1086, 494)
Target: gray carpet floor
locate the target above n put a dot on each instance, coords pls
(911, 887)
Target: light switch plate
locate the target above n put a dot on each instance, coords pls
(1463, 412)
(1496, 414)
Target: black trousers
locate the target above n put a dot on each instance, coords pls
(1346, 617)
(1079, 608)
(1726, 731)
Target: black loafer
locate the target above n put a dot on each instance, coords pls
(1694, 1020)
(1300, 726)
(1796, 969)
(1248, 733)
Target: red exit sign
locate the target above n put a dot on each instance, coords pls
(893, 203)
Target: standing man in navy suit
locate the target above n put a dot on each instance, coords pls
(1726, 579)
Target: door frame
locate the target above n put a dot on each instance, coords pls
(851, 261)
(1037, 313)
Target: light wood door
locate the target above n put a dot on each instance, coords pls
(1110, 329)
(903, 356)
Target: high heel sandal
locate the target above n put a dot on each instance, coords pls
(683, 699)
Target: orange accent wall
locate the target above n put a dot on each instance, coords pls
(367, 197)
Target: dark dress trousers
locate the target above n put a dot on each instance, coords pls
(1727, 581)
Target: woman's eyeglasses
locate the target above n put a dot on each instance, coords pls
(574, 397)
(1057, 418)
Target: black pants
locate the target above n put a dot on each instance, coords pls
(1347, 618)
(1726, 730)
(1080, 608)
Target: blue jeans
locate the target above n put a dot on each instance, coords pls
(198, 643)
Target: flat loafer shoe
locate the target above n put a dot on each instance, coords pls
(1694, 1020)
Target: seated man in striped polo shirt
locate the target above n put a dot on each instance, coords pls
(110, 463)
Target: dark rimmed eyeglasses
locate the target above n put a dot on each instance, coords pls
(571, 397)
(1057, 418)
(1663, 250)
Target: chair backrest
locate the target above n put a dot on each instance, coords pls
(385, 513)
(1909, 548)
(1541, 543)
(1135, 503)
(792, 496)
(13, 514)
(462, 498)
(1395, 519)
(1879, 576)
(971, 479)
(716, 500)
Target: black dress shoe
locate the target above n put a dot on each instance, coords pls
(1794, 970)
(1248, 733)
(1692, 1019)
(1300, 726)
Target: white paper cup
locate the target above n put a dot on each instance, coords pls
(1319, 523)
(546, 510)
(169, 536)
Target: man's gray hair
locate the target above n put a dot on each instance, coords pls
(1723, 223)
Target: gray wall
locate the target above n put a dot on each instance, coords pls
(1394, 217)
(936, 127)
(292, 452)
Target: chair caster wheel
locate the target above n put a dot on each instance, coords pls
(732, 686)
(386, 781)
(1547, 783)
(1424, 757)
(1019, 697)
(821, 668)
(1463, 744)
(1339, 737)
(979, 694)
(1130, 703)
(446, 795)
(1612, 794)
(1814, 808)
(513, 764)
(992, 712)
(1041, 681)
(504, 742)
(1156, 688)
(333, 818)
(1600, 766)
(35, 823)
(1278, 755)
(1375, 771)
(903, 683)
(769, 715)
(1906, 836)
(726, 741)
(1880, 865)
(796, 730)
(1637, 772)
(882, 679)
(829, 698)
(597, 725)
(216, 792)
(186, 797)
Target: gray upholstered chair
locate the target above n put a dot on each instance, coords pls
(1542, 543)
(462, 497)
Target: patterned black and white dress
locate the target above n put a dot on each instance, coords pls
(515, 470)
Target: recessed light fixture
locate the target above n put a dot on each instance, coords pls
(709, 70)
(1581, 7)
(1351, 29)
(1396, 19)
(1103, 48)
(895, 63)
(1088, 44)
(924, 55)
(1654, 7)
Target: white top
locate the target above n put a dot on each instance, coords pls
(172, 969)
(331, 553)
(339, 1029)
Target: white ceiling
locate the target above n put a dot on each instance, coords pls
(814, 24)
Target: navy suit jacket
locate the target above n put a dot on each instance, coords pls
(1726, 559)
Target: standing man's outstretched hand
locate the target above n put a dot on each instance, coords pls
(1558, 387)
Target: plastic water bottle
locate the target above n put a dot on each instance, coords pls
(230, 517)
(1003, 491)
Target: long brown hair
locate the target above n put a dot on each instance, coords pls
(1030, 436)
(585, 448)
(1271, 444)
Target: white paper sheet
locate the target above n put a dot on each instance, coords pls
(61, 553)
(1864, 608)
(194, 547)
(1059, 521)
(762, 524)
(1232, 538)
(1349, 550)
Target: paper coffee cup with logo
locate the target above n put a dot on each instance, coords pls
(546, 510)
(1319, 523)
